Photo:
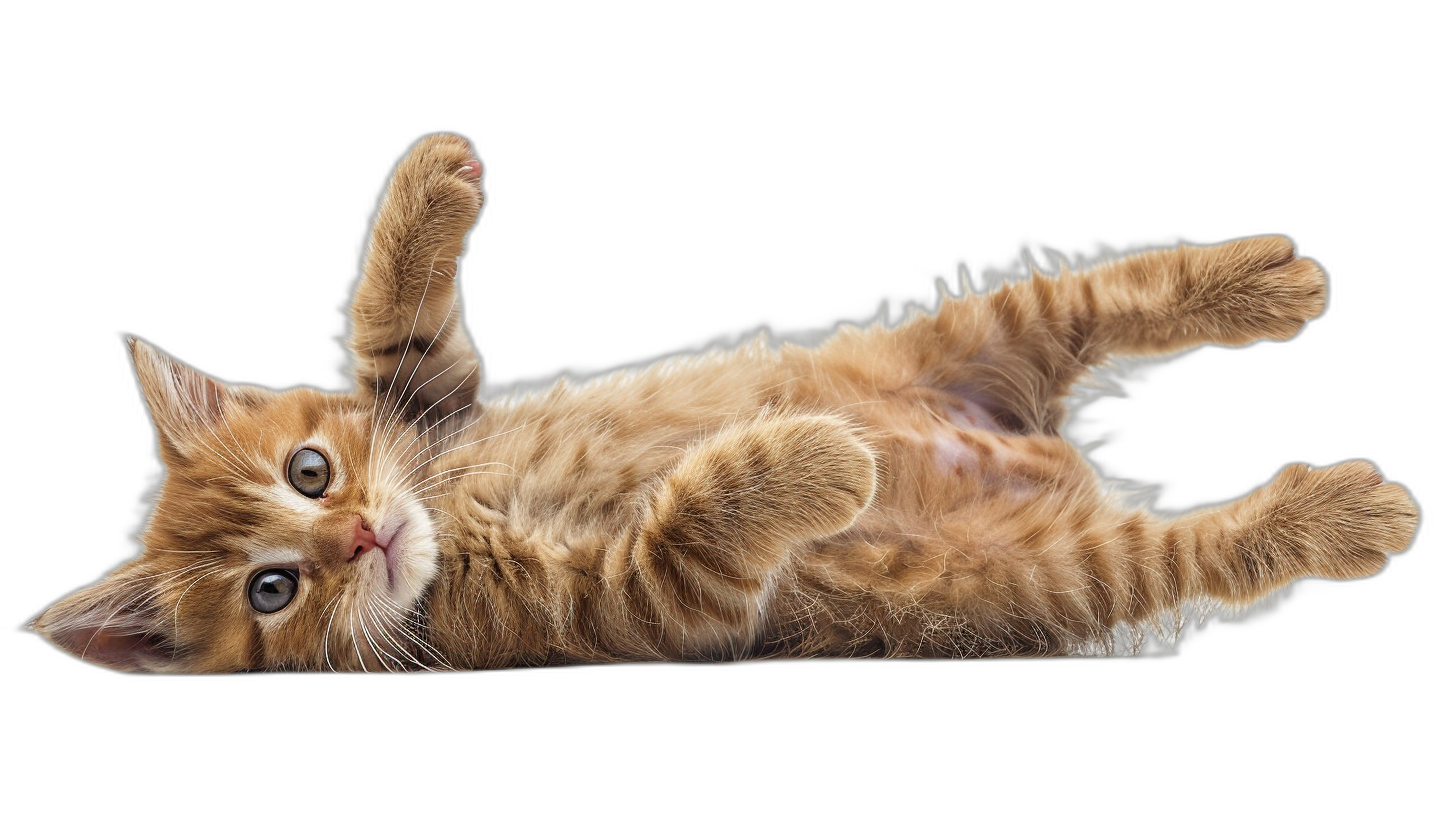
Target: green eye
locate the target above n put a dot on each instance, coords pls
(308, 472)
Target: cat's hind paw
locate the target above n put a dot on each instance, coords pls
(1253, 289)
(1346, 518)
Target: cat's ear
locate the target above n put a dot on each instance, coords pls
(184, 402)
(116, 623)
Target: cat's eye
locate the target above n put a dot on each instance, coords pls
(272, 589)
(308, 472)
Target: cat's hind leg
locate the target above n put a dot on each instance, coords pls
(410, 350)
(1334, 522)
(1167, 300)
(1338, 522)
(1063, 572)
(1017, 351)
(727, 519)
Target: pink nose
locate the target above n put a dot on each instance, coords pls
(364, 540)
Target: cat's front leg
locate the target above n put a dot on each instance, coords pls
(410, 351)
(729, 517)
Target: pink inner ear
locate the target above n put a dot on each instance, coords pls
(119, 650)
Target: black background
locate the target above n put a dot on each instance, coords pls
(631, 216)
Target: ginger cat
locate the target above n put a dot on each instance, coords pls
(897, 491)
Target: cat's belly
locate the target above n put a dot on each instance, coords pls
(966, 414)
(994, 460)
(953, 451)
(941, 450)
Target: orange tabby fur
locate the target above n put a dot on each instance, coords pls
(897, 491)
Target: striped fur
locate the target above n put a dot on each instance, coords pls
(896, 491)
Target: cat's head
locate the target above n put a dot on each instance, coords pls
(289, 533)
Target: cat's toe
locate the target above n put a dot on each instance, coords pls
(441, 160)
(443, 148)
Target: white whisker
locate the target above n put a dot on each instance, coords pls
(354, 638)
(454, 474)
(423, 294)
(369, 639)
(335, 604)
(452, 450)
(403, 400)
(426, 432)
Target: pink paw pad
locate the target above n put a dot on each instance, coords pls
(470, 169)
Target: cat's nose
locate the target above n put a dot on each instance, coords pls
(364, 540)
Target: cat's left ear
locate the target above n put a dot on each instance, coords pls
(184, 402)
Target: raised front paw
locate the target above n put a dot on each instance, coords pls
(442, 168)
(444, 174)
(1343, 520)
(1251, 289)
(433, 200)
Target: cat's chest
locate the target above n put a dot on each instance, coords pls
(523, 524)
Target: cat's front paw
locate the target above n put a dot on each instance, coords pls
(1253, 289)
(758, 488)
(444, 153)
(1346, 519)
(447, 156)
(433, 200)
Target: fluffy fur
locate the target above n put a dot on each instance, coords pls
(896, 491)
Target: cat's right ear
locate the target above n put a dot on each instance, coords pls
(184, 402)
(117, 623)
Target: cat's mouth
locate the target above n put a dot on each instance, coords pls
(389, 556)
(403, 536)
(390, 544)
